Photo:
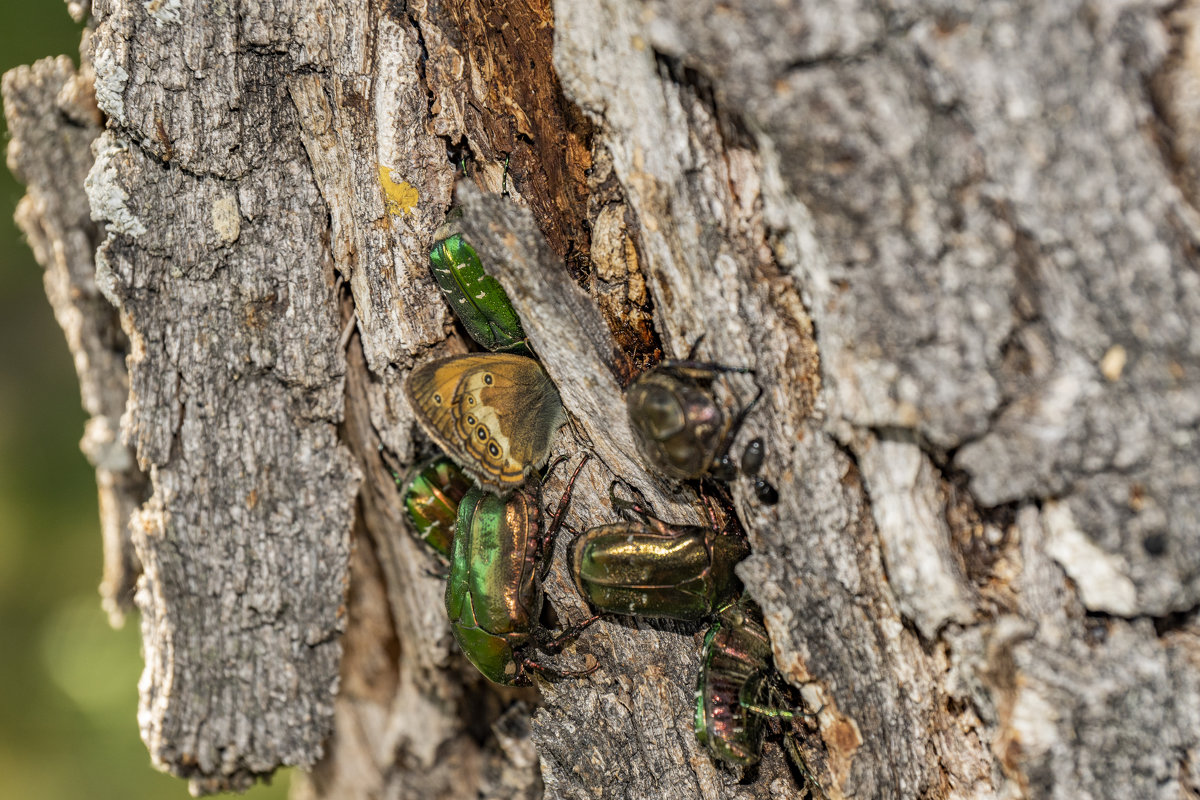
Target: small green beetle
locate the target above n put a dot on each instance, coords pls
(476, 297)
(651, 568)
(494, 592)
(740, 696)
(736, 658)
(432, 494)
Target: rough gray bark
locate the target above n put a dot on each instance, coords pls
(958, 248)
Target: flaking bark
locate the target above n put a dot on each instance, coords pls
(958, 248)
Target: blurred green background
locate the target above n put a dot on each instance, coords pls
(68, 682)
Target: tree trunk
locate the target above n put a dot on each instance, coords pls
(960, 250)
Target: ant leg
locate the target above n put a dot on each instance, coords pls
(722, 468)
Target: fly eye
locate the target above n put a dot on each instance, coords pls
(488, 379)
(493, 449)
(482, 433)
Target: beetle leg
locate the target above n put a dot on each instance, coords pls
(568, 634)
(806, 774)
(708, 506)
(640, 506)
(547, 539)
(711, 367)
(544, 540)
(552, 673)
(550, 467)
(780, 713)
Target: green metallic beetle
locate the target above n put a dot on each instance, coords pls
(651, 568)
(476, 297)
(494, 592)
(432, 494)
(740, 696)
(681, 426)
(737, 654)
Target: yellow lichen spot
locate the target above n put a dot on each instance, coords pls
(1113, 363)
(399, 196)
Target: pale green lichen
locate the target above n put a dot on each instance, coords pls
(111, 78)
(109, 200)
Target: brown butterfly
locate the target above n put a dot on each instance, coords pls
(493, 413)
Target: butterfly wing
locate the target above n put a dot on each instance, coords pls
(506, 413)
(430, 390)
(494, 413)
